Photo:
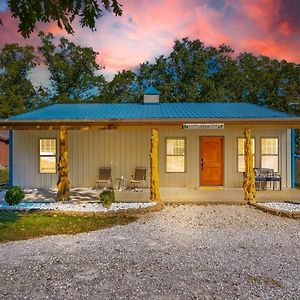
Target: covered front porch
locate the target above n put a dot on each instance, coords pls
(61, 160)
(168, 195)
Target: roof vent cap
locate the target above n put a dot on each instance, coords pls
(151, 95)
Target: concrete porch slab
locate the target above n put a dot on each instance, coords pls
(168, 195)
(225, 195)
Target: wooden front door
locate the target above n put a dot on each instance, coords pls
(211, 160)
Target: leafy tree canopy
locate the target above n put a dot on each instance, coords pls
(193, 72)
(122, 88)
(63, 12)
(17, 93)
(72, 68)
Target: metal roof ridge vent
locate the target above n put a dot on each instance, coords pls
(151, 95)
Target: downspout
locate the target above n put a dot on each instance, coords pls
(293, 168)
(11, 158)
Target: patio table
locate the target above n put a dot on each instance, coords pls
(121, 183)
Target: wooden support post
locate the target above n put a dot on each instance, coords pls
(63, 183)
(154, 175)
(249, 177)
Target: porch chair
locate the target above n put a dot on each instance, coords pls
(139, 177)
(104, 177)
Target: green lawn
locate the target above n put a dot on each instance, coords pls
(21, 226)
(3, 175)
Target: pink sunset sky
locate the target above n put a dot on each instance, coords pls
(148, 29)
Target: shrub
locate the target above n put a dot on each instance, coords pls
(107, 197)
(14, 195)
(3, 175)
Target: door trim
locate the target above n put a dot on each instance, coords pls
(222, 156)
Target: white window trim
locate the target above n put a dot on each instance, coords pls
(166, 154)
(278, 152)
(41, 155)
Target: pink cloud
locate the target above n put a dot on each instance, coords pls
(285, 28)
(208, 27)
(148, 29)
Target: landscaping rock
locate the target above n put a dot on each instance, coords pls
(186, 252)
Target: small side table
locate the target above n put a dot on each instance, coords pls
(121, 183)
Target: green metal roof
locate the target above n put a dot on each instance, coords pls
(152, 111)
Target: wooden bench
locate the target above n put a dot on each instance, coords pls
(264, 175)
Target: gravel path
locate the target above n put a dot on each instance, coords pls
(187, 252)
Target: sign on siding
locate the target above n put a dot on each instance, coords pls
(203, 126)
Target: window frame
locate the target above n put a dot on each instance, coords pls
(238, 155)
(278, 154)
(166, 153)
(39, 155)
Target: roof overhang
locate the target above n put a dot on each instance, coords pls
(119, 123)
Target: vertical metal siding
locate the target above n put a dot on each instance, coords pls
(26, 159)
(123, 150)
(293, 172)
(289, 164)
(11, 159)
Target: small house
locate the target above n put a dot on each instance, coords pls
(199, 144)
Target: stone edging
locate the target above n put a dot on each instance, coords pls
(277, 212)
(121, 212)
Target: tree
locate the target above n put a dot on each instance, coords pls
(179, 76)
(269, 82)
(71, 68)
(121, 89)
(63, 12)
(17, 93)
(192, 73)
(195, 73)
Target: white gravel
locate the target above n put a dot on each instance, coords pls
(186, 252)
(86, 207)
(290, 207)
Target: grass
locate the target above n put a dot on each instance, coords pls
(23, 225)
(265, 280)
(3, 175)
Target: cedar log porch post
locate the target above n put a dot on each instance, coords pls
(63, 183)
(249, 178)
(154, 176)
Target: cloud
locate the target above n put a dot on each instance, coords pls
(148, 29)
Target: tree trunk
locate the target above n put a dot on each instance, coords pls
(154, 176)
(249, 177)
(63, 183)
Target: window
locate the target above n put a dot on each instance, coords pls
(241, 154)
(270, 153)
(175, 155)
(47, 155)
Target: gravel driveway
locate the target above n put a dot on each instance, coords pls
(186, 252)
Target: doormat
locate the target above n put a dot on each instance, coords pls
(211, 188)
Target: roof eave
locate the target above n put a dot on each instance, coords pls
(77, 123)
